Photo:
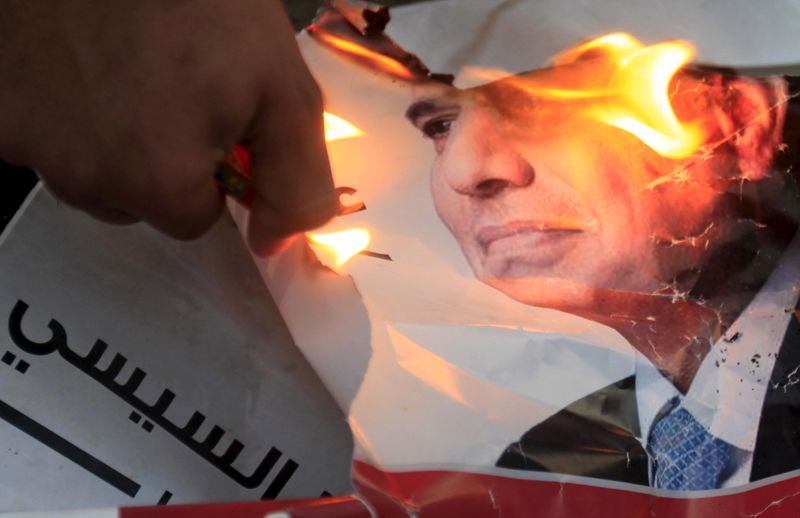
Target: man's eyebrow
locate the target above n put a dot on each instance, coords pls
(424, 107)
(507, 96)
(420, 108)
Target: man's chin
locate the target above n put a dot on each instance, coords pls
(600, 304)
(547, 292)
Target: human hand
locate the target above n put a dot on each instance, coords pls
(125, 108)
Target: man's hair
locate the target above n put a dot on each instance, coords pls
(772, 206)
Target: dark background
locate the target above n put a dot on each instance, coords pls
(302, 11)
(16, 182)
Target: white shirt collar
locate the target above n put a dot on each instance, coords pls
(727, 392)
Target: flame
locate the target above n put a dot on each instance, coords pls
(336, 128)
(347, 243)
(640, 88)
(343, 244)
(616, 43)
(386, 63)
(628, 89)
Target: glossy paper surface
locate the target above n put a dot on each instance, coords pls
(556, 285)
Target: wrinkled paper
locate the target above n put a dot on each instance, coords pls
(439, 370)
(138, 370)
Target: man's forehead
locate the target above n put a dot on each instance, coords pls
(511, 94)
(518, 96)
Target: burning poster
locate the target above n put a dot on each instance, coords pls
(586, 273)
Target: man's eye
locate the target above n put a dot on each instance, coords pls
(437, 128)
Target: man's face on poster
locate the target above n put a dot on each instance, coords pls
(534, 189)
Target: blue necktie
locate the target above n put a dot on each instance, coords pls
(685, 456)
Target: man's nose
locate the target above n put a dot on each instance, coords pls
(481, 161)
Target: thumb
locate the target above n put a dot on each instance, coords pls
(293, 187)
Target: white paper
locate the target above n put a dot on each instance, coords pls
(196, 319)
(433, 367)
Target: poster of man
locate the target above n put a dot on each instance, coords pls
(685, 257)
(549, 293)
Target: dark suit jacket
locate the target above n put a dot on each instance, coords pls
(597, 436)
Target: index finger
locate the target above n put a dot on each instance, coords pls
(293, 187)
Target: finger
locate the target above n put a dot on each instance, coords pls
(275, 246)
(291, 175)
(294, 190)
(114, 216)
(194, 216)
(184, 208)
(74, 186)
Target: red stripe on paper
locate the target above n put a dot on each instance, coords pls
(465, 495)
(334, 507)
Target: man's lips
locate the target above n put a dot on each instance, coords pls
(515, 229)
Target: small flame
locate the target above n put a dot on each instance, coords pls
(336, 128)
(392, 66)
(629, 90)
(347, 243)
(639, 89)
(343, 244)
(616, 43)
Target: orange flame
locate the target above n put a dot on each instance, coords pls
(336, 128)
(340, 245)
(639, 89)
(343, 245)
(634, 92)
(386, 63)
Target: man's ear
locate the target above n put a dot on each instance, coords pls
(749, 114)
